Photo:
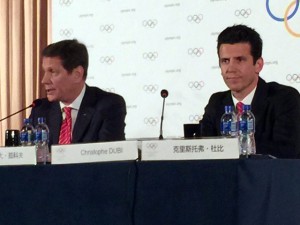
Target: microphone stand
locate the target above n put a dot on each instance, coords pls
(161, 121)
(15, 113)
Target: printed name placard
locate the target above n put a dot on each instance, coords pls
(94, 152)
(17, 155)
(190, 149)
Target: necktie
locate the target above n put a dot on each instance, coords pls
(66, 127)
(239, 107)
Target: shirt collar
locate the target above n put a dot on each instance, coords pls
(247, 100)
(76, 103)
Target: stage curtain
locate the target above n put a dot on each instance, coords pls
(23, 32)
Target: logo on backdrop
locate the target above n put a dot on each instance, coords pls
(153, 121)
(194, 118)
(195, 51)
(196, 85)
(150, 55)
(107, 60)
(150, 88)
(107, 28)
(65, 2)
(195, 18)
(65, 32)
(110, 90)
(293, 78)
(290, 12)
(150, 23)
(242, 12)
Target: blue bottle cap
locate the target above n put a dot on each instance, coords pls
(246, 107)
(27, 120)
(41, 120)
(228, 108)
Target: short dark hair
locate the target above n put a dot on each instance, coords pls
(71, 52)
(242, 34)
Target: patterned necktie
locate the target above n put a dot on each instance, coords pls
(239, 107)
(66, 127)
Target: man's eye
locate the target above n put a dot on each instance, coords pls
(224, 61)
(52, 71)
(240, 59)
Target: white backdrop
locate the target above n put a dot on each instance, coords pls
(139, 47)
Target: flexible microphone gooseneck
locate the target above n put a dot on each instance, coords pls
(35, 103)
(164, 93)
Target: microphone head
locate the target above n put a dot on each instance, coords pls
(36, 102)
(164, 93)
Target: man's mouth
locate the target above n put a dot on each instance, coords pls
(232, 78)
(49, 90)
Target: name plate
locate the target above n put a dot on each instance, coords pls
(190, 149)
(17, 155)
(94, 152)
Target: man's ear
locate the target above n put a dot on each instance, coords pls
(259, 65)
(78, 73)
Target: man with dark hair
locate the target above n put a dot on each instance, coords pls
(86, 114)
(276, 107)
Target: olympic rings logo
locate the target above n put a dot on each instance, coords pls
(194, 118)
(151, 121)
(195, 18)
(150, 55)
(243, 12)
(107, 28)
(65, 2)
(66, 32)
(152, 88)
(286, 16)
(110, 90)
(196, 84)
(60, 150)
(195, 51)
(151, 145)
(150, 23)
(293, 78)
(107, 59)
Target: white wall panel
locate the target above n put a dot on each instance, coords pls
(138, 47)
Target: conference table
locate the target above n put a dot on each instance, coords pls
(195, 192)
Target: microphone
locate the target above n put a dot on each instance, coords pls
(35, 103)
(164, 93)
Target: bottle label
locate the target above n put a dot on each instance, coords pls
(250, 125)
(41, 135)
(226, 126)
(44, 135)
(243, 125)
(30, 136)
(233, 127)
(38, 136)
(24, 136)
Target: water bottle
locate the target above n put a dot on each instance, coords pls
(27, 133)
(246, 131)
(41, 141)
(229, 122)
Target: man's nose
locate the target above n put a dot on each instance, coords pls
(46, 78)
(231, 65)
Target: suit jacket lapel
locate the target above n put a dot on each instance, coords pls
(82, 123)
(85, 115)
(55, 119)
(228, 100)
(259, 102)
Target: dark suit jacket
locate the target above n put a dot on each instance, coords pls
(277, 118)
(100, 117)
